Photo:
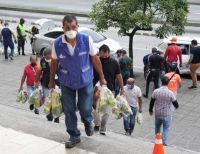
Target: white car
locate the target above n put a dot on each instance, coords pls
(185, 44)
(43, 40)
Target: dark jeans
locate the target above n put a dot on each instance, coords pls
(85, 101)
(11, 46)
(125, 78)
(129, 122)
(155, 75)
(21, 44)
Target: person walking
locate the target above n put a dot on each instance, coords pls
(29, 76)
(73, 59)
(6, 36)
(112, 73)
(118, 55)
(33, 31)
(173, 52)
(133, 96)
(21, 36)
(43, 77)
(174, 79)
(126, 66)
(163, 98)
(155, 66)
(194, 62)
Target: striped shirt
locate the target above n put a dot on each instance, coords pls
(163, 101)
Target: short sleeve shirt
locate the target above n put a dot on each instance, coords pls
(132, 95)
(163, 101)
(174, 82)
(29, 73)
(71, 49)
(110, 69)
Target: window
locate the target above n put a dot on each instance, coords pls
(54, 35)
(184, 48)
(96, 37)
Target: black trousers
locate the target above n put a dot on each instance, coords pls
(155, 75)
(21, 44)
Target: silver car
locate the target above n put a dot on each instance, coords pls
(44, 40)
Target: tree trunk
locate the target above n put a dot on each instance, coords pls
(131, 43)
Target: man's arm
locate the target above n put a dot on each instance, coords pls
(22, 82)
(180, 57)
(98, 67)
(37, 77)
(120, 82)
(175, 103)
(151, 106)
(53, 71)
(140, 104)
(15, 39)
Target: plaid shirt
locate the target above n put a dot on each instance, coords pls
(163, 101)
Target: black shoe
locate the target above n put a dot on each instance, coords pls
(89, 130)
(56, 120)
(192, 87)
(96, 128)
(72, 142)
(36, 111)
(24, 54)
(127, 133)
(31, 106)
(145, 96)
(49, 117)
(165, 144)
(11, 58)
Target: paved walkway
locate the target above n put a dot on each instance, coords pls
(13, 142)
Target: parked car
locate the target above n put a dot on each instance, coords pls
(184, 43)
(41, 41)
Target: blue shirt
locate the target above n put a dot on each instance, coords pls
(7, 35)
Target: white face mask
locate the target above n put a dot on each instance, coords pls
(130, 86)
(48, 60)
(71, 34)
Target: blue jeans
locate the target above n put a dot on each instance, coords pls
(11, 46)
(166, 122)
(85, 101)
(30, 90)
(129, 122)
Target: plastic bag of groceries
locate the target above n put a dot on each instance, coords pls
(22, 97)
(48, 104)
(106, 98)
(36, 98)
(56, 103)
(121, 108)
(139, 118)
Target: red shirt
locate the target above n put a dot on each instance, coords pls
(29, 73)
(172, 53)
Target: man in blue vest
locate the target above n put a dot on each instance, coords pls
(7, 35)
(73, 60)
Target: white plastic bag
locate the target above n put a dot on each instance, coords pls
(139, 118)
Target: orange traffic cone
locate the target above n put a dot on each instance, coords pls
(158, 147)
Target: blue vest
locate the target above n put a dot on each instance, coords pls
(74, 71)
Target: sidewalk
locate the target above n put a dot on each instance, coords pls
(13, 142)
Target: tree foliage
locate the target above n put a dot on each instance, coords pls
(133, 15)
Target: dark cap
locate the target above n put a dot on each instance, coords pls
(154, 50)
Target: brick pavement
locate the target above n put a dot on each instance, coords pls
(186, 122)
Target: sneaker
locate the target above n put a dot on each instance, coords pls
(49, 117)
(192, 87)
(145, 96)
(56, 120)
(89, 130)
(31, 106)
(127, 133)
(103, 133)
(72, 142)
(165, 144)
(23, 54)
(11, 58)
(96, 128)
(36, 111)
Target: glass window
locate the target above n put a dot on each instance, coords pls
(96, 37)
(184, 48)
(54, 35)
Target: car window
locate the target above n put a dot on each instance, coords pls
(184, 48)
(54, 34)
(96, 37)
(163, 46)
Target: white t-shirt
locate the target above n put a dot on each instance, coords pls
(132, 95)
(71, 49)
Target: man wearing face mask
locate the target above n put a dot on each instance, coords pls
(111, 70)
(29, 76)
(43, 75)
(73, 59)
(134, 98)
